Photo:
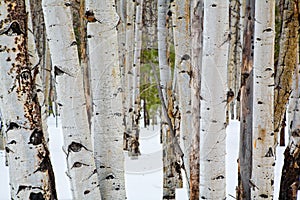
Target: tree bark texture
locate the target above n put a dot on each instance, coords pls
(213, 105)
(287, 62)
(31, 173)
(107, 120)
(196, 64)
(246, 99)
(71, 100)
(263, 154)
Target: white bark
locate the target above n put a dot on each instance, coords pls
(169, 181)
(71, 100)
(263, 95)
(213, 91)
(129, 45)
(31, 173)
(181, 33)
(134, 150)
(107, 120)
(164, 69)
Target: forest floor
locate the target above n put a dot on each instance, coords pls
(143, 175)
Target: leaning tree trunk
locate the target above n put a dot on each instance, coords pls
(286, 63)
(245, 96)
(196, 63)
(107, 120)
(263, 154)
(213, 91)
(71, 100)
(31, 173)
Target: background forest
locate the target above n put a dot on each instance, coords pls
(192, 66)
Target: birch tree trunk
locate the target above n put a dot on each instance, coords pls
(286, 63)
(171, 162)
(107, 121)
(136, 79)
(71, 100)
(213, 91)
(234, 57)
(263, 95)
(129, 45)
(181, 34)
(31, 173)
(246, 99)
(196, 64)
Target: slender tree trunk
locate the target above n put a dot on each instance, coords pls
(31, 173)
(246, 99)
(181, 34)
(213, 91)
(196, 63)
(136, 79)
(121, 10)
(129, 45)
(107, 121)
(234, 57)
(169, 176)
(263, 95)
(39, 38)
(71, 100)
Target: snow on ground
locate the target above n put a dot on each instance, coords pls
(144, 175)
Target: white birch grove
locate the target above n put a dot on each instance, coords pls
(213, 92)
(263, 95)
(31, 173)
(107, 120)
(71, 100)
(196, 63)
(181, 35)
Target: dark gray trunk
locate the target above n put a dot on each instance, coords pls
(246, 99)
